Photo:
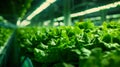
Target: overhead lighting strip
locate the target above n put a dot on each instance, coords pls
(92, 10)
(45, 4)
(107, 17)
(40, 8)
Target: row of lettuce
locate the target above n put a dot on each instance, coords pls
(81, 45)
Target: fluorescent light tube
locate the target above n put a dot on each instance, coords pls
(92, 10)
(40, 8)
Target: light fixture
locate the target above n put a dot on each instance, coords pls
(40, 8)
(50, 1)
(37, 11)
(46, 23)
(25, 23)
(92, 10)
(108, 6)
(56, 24)
(107, 17)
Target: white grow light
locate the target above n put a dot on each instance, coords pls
(92, 10)
(37, 11)
(40, 8)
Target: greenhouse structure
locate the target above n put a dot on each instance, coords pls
(60, 33)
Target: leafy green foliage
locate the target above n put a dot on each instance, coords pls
(82, 45)
(85, 25)
(4, 35)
